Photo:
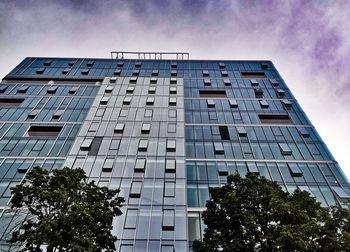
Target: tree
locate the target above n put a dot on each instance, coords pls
(65, 212)
(255, 214)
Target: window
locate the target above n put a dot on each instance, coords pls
(205, 72)
(44, 131)
(227, 82)
(171, 128)
(254, 83)
(207, 82)
(306, 188)
(135, 191)
(104, 100)
(140, 165)
(112, 79)
(146, 127)
(285, 150)
(224, 133)
(222, 65)
(274, 83)
(131, 217)
(170, 165)
(3, 88)
(143, 145)
(233, 103)
(252, 167)
(174, 64)
(33, 113)
(341, 194)
(155, 72)
(281, 92)
(40, 70)
(173, 90)
(274, 119)
(264, 66)
(133, 79)
(224, 73)
(11, 102)
(172, 101)
(23, 168)
(130, 90)
(117, 72)
(211, 103)
(173, 73)
(119, 128)
(109, 89)
(136, 72)
(94, 126)
(167, 248)
(263, 104)
(108, 165)
(71, 63)
(154, 80)
(47, 62)
(138, 64)
(294, 170)
(123, 113)
(148, 113)
(52, 90)
(57, 114)
(172, 113)
(287, 103)
(222, 169)
(169, 189)
(120, 63)
(95, 146)
(241, 131)
(150, 101)
(303, 131)
(127, 100)
(253, 75)
(173, 80)
(218, 148)
(86, 145)
(114, 144)
(65, 71)
(168, 219)
(212, 93)
(90, 63)
(73, 90)
(85, 71)
(152, 90)
(258, 92)
(171, 145)
(22, 89)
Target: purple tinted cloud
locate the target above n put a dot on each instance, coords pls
(307, 40)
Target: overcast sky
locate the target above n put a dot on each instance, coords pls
(308, 41)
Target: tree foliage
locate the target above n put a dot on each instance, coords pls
(66, 212)
(255, 214)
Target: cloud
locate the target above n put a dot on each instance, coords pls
(308, 41)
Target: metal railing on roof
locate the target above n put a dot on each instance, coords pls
(151, 55)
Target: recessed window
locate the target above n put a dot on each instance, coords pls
(224, 73)
(154, 80)
(86, 145)
(155, 72)
(205, 72)
(264, 66)
(3, 88)
(171, 145)
(148, 113)
(152, 90)
(135, 191)
(120, 63)
(174, 64)
(127, 100)
(150, 101)
(40, 70)
(108, 165)
(22, 89)
(94, 126)
(117, 72)
(90, 63)
(140, 165)
(85, 71)
(24, 167)
(274, 83)
(47, 63)
(172, 90)
(173, 72)
(227, 82)
(281, 92)
(119, 128)
(222, 65)
(263, 104)
(168, 219)
(285, 149)
(258, 92)
(222, 168)
(303, 131)
(138, 64)
(254, 83)
(172, 101)
(109, 89)
(58, 114)
(287, 103)
(207, 82)
(212, 93)
(294, 170)
(113, 79)
(44, 131)
(252, 167)
(146, 127)
(52, 90)
(224, 133)
(73, 90)
(133, 79)
(135, 72)
(11, 102)
(275, 119)
(33, 114)
(233, 103)
(104, 100)
(123, 113)
(173, 80)
(95, 146)
(210, 103)
(340, 192)
(71, 63)
(253, 75)
(130, 90)
(170, 165)
(65, 71)
(241, 131)
(218, 148)
(143, 145)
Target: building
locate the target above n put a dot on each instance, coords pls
(163, 130)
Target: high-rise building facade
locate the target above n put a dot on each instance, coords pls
(163, 131)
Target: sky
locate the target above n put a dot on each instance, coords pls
(307, 40)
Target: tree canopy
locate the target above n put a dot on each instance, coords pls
(65, 212)
(255, 214)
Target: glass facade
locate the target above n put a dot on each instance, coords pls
(163, 131)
